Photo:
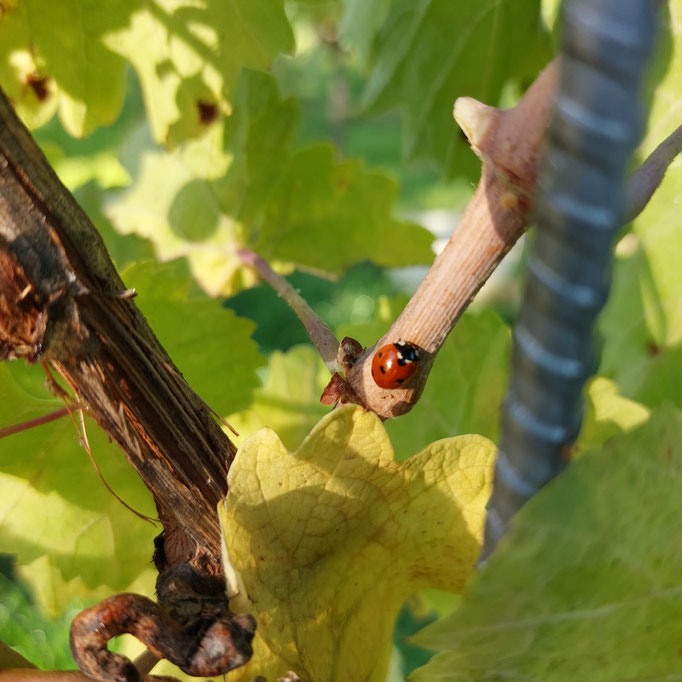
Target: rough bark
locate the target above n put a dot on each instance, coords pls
(61, 303)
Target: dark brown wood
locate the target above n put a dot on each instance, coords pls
(61, 303)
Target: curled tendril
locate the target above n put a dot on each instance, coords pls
(193, 629)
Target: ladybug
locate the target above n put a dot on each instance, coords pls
(394, 364)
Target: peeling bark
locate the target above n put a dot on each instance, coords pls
(62, 303)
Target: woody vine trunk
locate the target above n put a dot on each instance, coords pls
(62, 304)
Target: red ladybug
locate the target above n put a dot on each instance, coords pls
(394, 364)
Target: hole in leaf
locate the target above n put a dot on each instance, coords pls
(38, 84)
(208, 112)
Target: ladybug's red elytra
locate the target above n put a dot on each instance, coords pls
(394, 364)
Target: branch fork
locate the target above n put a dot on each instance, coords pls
(509, 144)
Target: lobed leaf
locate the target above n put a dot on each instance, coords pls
(587, 583)
(71, 55)
(248, 186)
(429, 52)
(328, 541)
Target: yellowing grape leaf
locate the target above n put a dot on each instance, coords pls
(328, 541)
(70, 536)
(588, 583)
(72, 55)
(429, 52)
(247, 186)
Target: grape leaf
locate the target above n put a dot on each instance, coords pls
(37, 638)
(188, 56)
(429, 52)
(61, 45)
(587, 583)
(329, 540)
(209, 344)
(71, 55)
(251, 188)
(642, 323)
(71, 537)
(361, 20)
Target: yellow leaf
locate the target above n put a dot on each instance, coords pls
(330, 540)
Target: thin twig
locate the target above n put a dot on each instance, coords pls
(32, 423)
(326, 343)
(509, 144)
(645, 180)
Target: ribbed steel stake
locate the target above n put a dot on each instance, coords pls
(595, 127)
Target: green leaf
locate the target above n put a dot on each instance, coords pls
(361, 20)
(430, 52)
(328, 541)
(209, 344)
(289, 400)
(251, 188)
(586, 585)
(642, 323)
(342, 208)
(40, 640)
(88, 87)
(187, 55)
(71, 537)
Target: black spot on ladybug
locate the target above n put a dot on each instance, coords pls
(394, 364)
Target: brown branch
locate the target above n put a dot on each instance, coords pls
(60, 294)
(224, 642)
(62, 303)
(645, 180)
(508, 144)
(326, 343)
